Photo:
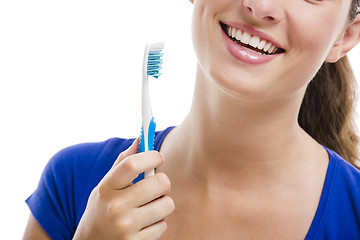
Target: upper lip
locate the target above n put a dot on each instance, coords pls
(253, 32)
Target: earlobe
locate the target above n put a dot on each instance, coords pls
(349, 39)
(192, 1)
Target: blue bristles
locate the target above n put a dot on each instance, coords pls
(154, 63)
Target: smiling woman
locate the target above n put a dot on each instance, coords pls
(252, 155)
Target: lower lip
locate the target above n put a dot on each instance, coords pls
(244, 55)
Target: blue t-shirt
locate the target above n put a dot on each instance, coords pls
(68, 179)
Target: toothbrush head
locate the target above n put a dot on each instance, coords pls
(154, 59)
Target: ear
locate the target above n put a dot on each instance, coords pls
(192, 1)
(349, 38)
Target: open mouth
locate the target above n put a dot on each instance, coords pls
(251, 42)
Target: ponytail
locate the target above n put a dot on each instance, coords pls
(328, 109)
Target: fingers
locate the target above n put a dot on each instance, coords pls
(128, 169)
(129, 165)
(157, 210)
(154, 231)
(130, 151)
(147, 190)
(145, 218)
(118, 209)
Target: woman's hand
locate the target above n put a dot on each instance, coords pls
(118, 209)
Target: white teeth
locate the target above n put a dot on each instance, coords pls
(245, 38)
(261, 44)
(254, 41)
(266, 47)
(233, 32)
(271, 49)
(238, 35)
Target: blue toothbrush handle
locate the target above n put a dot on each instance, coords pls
(150, 142)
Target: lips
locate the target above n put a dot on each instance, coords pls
(248, 45)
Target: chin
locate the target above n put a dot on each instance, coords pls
(245, 87)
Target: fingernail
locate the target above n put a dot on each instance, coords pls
(132, 145)
(136, 140)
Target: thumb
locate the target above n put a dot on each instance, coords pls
(128, 152)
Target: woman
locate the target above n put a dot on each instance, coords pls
(240, 165)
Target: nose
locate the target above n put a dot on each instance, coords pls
(264, 10)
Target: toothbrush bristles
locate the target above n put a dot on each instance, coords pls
(154, 63)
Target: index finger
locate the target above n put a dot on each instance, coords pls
(129, 165)
(129, 151)
(128, 169)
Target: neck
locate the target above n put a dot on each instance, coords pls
(229, 137)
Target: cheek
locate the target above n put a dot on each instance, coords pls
(196, 27)
(311, 40)
(201, 34)
(314, 32)
(319, 45)
(205, 24)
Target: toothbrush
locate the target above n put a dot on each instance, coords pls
(151, 67)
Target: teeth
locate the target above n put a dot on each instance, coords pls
(253, 41)
(229, 30)
(238, 35)
(261, 44)
(271, 49)
(266, 47)
(275, 50)
(233, 32)
(245, 38)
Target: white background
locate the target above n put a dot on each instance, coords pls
(70, 72)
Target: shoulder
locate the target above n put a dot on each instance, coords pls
(84, 155)
(344, 172)
(345, 185)
(340, 201)
(89, 162)
(68, 179)
(66, 182)
(79, 168)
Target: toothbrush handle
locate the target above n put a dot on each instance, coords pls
(148, 145)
